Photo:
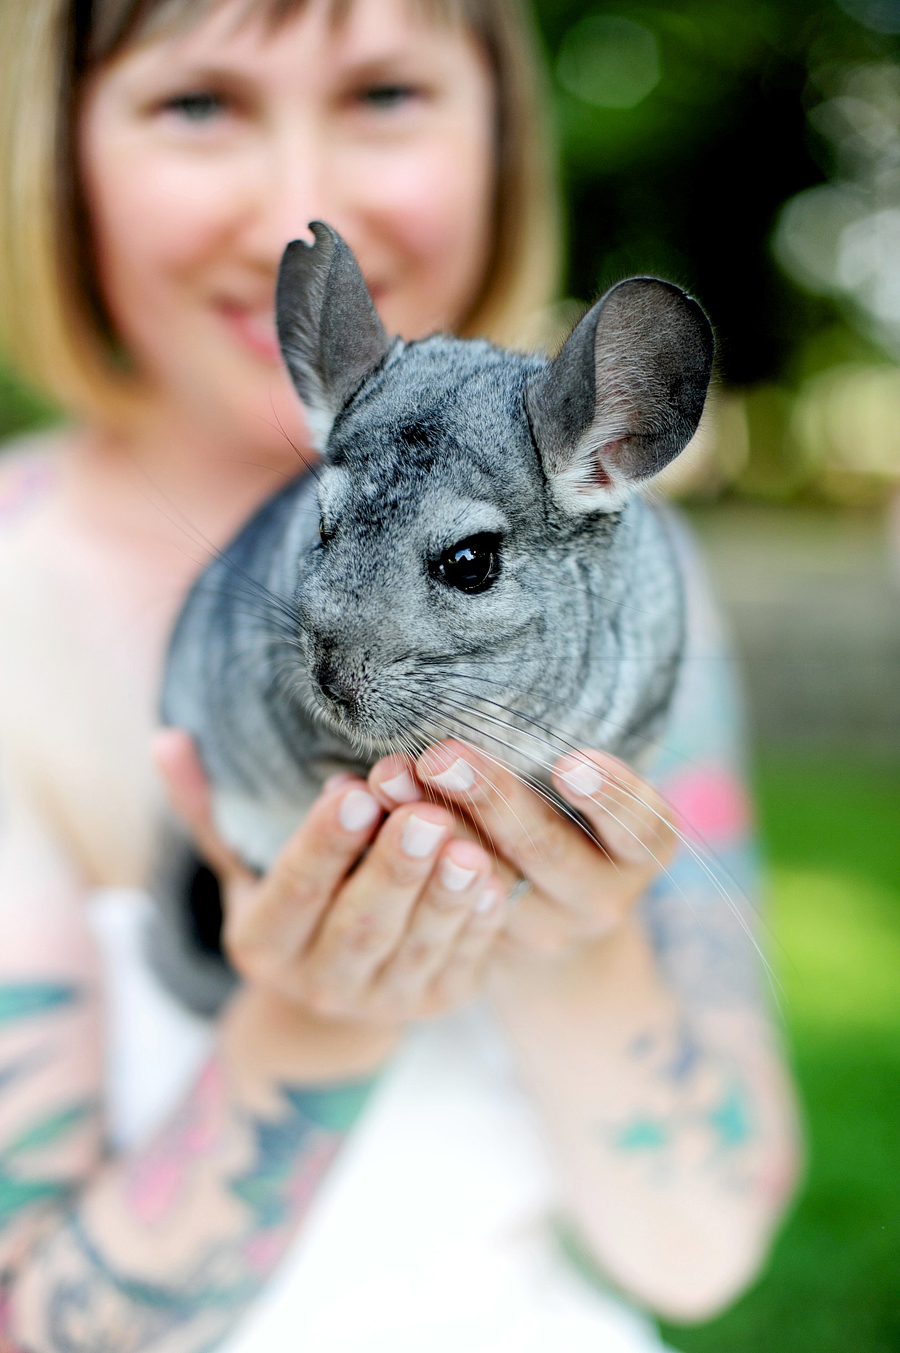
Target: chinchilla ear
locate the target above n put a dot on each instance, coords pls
(328, 327)
(624, 396)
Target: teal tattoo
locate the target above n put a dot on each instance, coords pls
(88, 1313)
(642, 1134)
(266, 1188)
(728, 1122)
(730, 1119)
(19, 1191)
(723, 1114)
(25, 1000)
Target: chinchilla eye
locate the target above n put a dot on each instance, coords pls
(471, 565)
(324, 534)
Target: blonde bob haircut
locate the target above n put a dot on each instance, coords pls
(53, 324)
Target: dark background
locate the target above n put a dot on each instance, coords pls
(690, 181)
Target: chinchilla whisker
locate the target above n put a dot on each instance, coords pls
(568, 746)
(177, 518)
(626, 789)
(651, 742)
(564, 811)
(473, 809)
(261, 619)
(519, 690)
(704, 864)
(562, 808)
(558, 805)
(442, 732)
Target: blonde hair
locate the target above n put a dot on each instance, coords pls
(53, 324)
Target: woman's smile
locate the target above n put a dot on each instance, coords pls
(253, 327)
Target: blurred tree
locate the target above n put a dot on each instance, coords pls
(683, 131)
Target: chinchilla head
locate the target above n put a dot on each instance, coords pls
(478, 567)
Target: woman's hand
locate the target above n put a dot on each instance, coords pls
(581, 888)
(363, 916)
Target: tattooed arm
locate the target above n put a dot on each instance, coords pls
(50, 1040)
(651, 1051)
(162, 1249)
(674, 1129)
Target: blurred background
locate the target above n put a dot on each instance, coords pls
(750, 150)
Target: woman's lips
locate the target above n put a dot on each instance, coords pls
(255, 329)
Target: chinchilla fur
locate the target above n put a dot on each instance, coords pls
(470, 559)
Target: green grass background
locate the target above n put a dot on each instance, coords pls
(832, 831)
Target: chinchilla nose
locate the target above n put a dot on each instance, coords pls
(334, 680)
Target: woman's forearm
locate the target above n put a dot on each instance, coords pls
(166, 1246)
(675, 1131)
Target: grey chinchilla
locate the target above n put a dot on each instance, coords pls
(470, 559)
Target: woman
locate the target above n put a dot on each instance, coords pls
(157, 157)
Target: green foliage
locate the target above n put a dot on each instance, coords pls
(689, 178)
(20, 408)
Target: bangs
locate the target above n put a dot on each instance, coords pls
(104, 27)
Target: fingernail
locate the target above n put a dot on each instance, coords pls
(420, 837)
(454, 878)
(402, 788)
(358, 809)
(459, 775)
(583, 779)
(488, 900)
(339, 778)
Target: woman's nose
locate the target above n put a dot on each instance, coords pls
(293, 190)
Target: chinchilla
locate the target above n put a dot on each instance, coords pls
(469, 559)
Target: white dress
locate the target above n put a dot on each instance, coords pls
(431, 1232)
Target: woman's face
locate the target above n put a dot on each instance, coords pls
(203, 153)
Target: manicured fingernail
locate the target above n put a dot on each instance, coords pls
(402, 788)
(420, 837)
(459, 775)
(358, 809)
(583, 779)
(489, 899)
(454, 878)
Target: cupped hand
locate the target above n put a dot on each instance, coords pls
(583, 883)
(374, 910)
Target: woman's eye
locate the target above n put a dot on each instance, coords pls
(386, 97)
(196, 106)
(472, 565)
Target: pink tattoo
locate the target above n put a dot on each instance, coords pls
(711, 804)
(155, 1182)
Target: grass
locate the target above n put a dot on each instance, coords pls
(832, 831)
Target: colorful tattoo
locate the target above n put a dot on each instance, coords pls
(697, 1110)
(26, 1000)
(96, 1308)
(156, 1180)
(18, 1191)
(20, 1188)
